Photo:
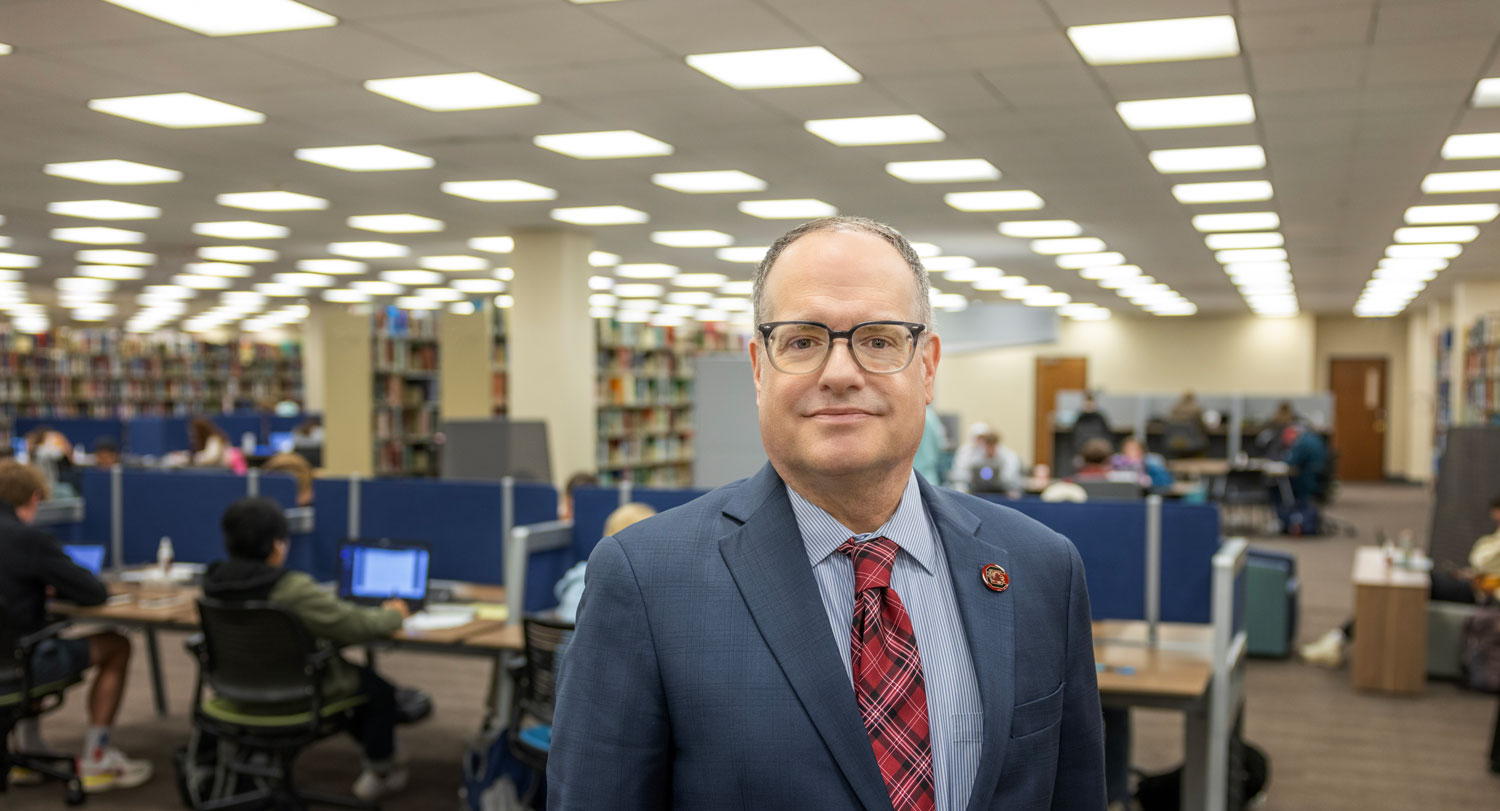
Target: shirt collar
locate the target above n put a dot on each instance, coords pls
(908, 527)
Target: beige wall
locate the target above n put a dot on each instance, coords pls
(1386, 338)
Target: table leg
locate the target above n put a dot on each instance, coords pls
(1195, 764)
(158, 687)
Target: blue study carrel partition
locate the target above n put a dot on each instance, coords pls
(185, 506)
(462, 521)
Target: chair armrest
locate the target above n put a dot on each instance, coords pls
(31, 640)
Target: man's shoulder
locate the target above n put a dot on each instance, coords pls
(703, 516)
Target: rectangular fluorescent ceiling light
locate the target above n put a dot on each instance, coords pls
(1459, 182)
(603, 259)
(377, 288)
(638, 290)
(368, 250)
(603, 145)
(114, 256)
(198, 282)
(1437, 233)
(104, 210)
(800, 209)
(227, 18)
(1040, 229)
(272, 201)
(737, 288)
(1258, 268)
(1019, 200)
(493, 244)
(778, 67)
(1053, 247)
(709, 182)
(481, 286)
(332, 267)
(412, 277)
(122, 273)
(601, 215)
(950, 171)
(237, 253)
(1195, 111)
(241, 229)
(177, 111)
(365, 158)
(1475, 145)
(228, 270)
(1437, 215)
(303, 279)
(395, 223)
(1430, 251)
(1432, 264)
(4, 49)
(446, 92)
(1177, 40)
(743, 254)
(709, 280)
(1251, 255)
(1232, 192)
(692, 239)
(1076, 261)
(875, 130)
(345, 296)
(454, 263)
(113, 172)
(1254, 221)
(1208, 159)
(1486, 93)
(946, 263)
(498, 191)
(646, 270)
(1229, 242)
(98, 235)
(926, 249)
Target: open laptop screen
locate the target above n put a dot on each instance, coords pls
(89, 556)
(379, 570)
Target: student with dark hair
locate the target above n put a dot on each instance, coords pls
(106, 452)
(257, 540)
(582, 478)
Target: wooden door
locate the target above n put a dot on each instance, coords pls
(1358, 386)
(1052, 376)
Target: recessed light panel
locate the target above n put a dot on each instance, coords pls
(237, 253)
(1460, 182)
(645, 270)
(1233, 192)
(1208, 159)
(1486, 93)
(98, 235)
(945, 263)
(1195, 111)
(453, 263)
(122, 273)
(332, 267)
(241, 229)
(368, 250)
(1076, 261)
(177, 111)
(779, 67)
(875, 130)
(377, 288)
(1053, 247)
(5, 49)
(1254, 221)
(692, 239)
(493, 244)
(603, 145)
(395, 223)
(198, 282)
(479, 286)
(1230, 242)
(114, 256)
(603, 259)
(1156, 40)
(345, 296)
(412, 277)
(1019, 200)
(1251, 255)
(104, 210)
(600, 215)
(1439, 215)
(228, 270)
(446, 92)
(365, 158)
(272, 201)
(710, 182)
(1472, 145)
(303, 279)
(1040, 229)
(113, 172)
(1437, 233)
(949, 171)
(499, 191)
(1432, 251)
(227, 18)
(744, 254)
(800, 209)
(712, 281)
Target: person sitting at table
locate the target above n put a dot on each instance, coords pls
(257, 539)
(963, 458)
(1307, 462)
(1096, 455)
(106, 453)
(1004, 464)
(293, 463)
(569, 589)
(33, 567)
(210, 447)
(1149, 467)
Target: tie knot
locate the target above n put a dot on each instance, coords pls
(873, 559)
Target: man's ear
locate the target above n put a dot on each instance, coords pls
(756, 367)
(931, 352)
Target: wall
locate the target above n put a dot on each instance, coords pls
(1350, 337)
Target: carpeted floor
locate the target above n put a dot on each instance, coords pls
(1331, 749)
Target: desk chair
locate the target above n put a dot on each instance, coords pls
(22, 699)
(1244, 499)
(536, 695)
(1184, 438)
(257, 654)
(1323, 495)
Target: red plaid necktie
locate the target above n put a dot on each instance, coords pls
(888, 677)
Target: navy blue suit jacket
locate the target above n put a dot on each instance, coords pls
(703, 674)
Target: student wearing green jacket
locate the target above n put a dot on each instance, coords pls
(256, 538)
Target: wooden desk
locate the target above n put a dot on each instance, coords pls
(1390, 620)
(506, 638)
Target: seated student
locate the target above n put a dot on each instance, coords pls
(106, 453)
(293, 463)
(1096, 465)
(1307, 461)
(580, 479)
(32, 564)
(210, 447)
(569, 589)
(256, 538)
(1480, 579)
(1149, 467)
(1005, 463)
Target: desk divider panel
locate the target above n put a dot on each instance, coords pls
(156, 436)
(1189, 540)
(185, 506)
(97, 511)
(237, 425)
(461, 520)
(591, 508)
(81, 431)
(317, 554)
(1111, 538)
(534, 503)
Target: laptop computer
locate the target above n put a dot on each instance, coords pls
(281, 441)
(89, 556)
(373, 571)
(986, 479)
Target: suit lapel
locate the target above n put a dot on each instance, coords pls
(768, 561)
(988, 619)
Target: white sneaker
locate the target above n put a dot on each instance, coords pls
(371, 786)
(1327, 652)
(113, 771)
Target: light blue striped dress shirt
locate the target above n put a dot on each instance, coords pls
(920, 577)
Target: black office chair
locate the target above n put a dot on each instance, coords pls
(1184, 439)
(21, 698)
(1244, 500)
(1325, 492)
(536, 696)
(256, 656)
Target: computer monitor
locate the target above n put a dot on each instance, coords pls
(89, 556)
(373, 571)
(281, 441)
(492, 449)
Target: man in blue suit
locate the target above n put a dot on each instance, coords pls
(834, 632)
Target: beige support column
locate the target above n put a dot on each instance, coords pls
(337, 366)
(553, 346)
(1470, 300)
(1421, 350)
(464, 365)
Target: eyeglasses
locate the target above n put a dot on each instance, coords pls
(878, 347)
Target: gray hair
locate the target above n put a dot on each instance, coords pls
(855, 224)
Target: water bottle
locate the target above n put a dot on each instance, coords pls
(164, 557)
(247, 443)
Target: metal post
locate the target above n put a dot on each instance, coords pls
(625, 490)
(516, 554)
(354, 505)
(117, 519)
(252, 482)
(1236, 421)
(1153, 568)
(507, 509)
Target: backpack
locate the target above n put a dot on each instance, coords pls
(1481, 650)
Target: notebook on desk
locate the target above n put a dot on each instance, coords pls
(89, 556)
(373, 571)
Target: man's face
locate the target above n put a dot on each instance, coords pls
(842, 420)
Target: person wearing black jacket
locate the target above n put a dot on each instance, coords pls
(33, 567)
